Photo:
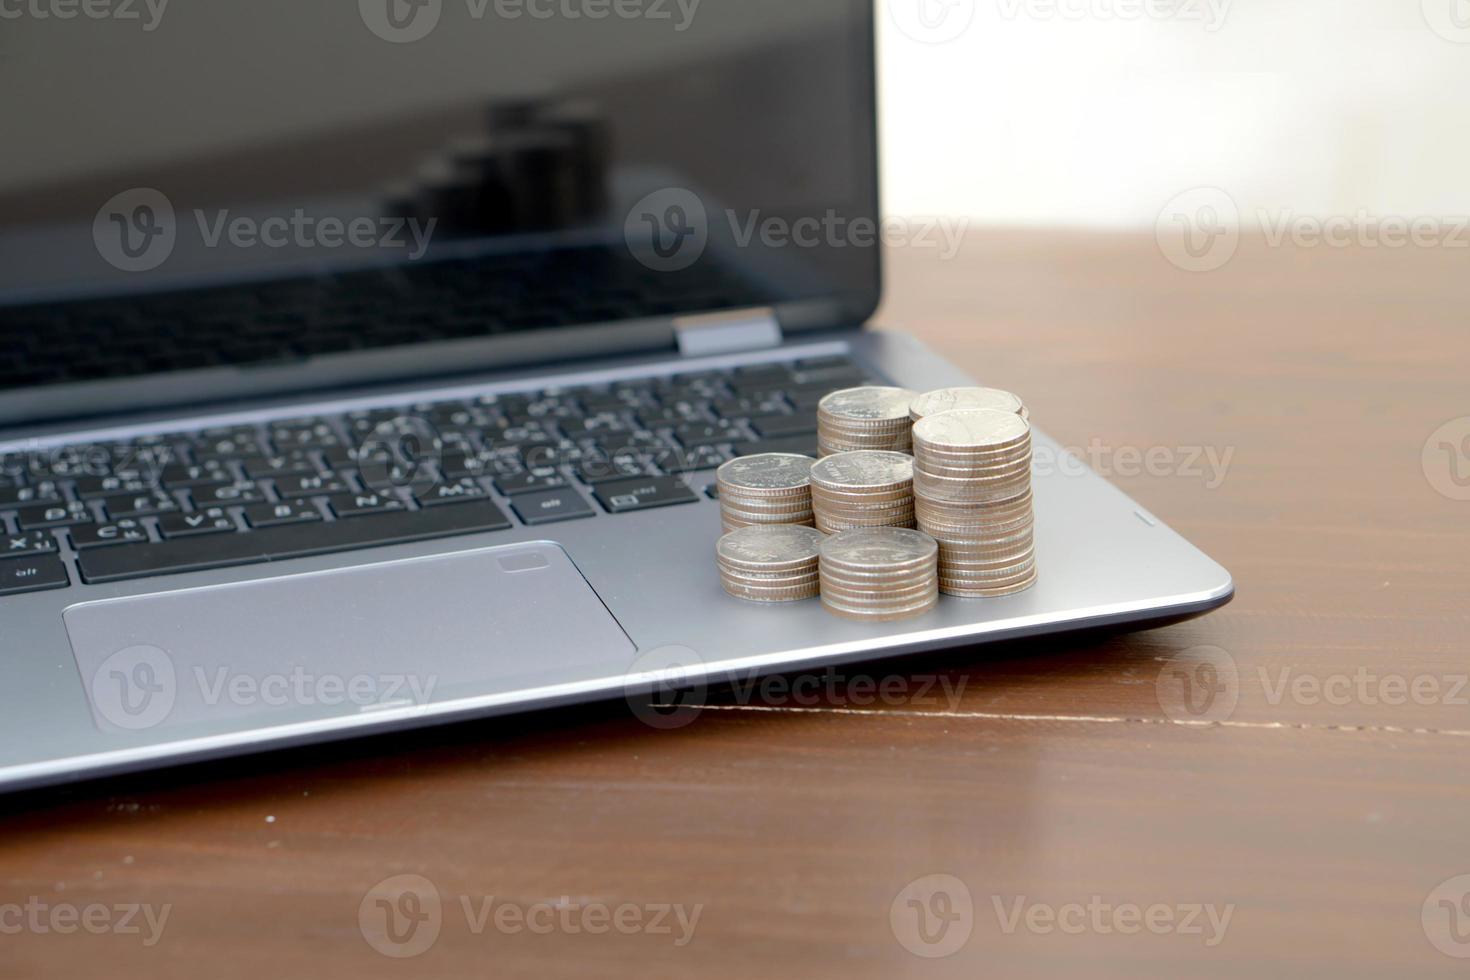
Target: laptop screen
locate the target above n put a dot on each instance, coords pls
(273, 184)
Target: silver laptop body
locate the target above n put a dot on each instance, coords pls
(257, 496)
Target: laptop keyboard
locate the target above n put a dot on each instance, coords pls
(296, 487)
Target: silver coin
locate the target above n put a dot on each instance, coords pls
(770, 580)
(991, 464)
(870, 404)
(827, 447)
(955, 541)
(953, 399)
(878, 515)
(872, 468)
(952, 545)
(893, 595)
(966, 590)
(974, 429)
(823, 508)
(880, 614)
(881, 497)
(765, 507)
(1023, 503)
(767, 472)
(757, 594)
(770, 545)
(732, 524)
(836, 525)
(877, 548)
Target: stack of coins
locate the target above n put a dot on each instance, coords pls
(774, 563)
(972, 493)
(880, 573)
(772, 488)
(864, 418)
(958, 399)
(863, 489)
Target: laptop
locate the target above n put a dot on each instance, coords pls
(367, 366)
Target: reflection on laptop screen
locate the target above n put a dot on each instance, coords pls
(210, 184)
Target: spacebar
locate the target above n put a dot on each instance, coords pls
(290, 541)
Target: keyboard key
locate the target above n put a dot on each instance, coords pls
(281, 465)
(342, 458)
(293, 541)
(593, 425)
(457, 463)
(807, 398)
(229, 493)
(517, 458)
(126, 531)
(360, 504)
(760, 387)
(530, 433)
(383, 473)
(140, 505)
(215, 520)
(67, 462)
(32, 574)
(598, 402)
(285, 512)
(54, 515)
(704, 434)
(311, 485)
(741, 408)
(204, 456)
(833, 379)
(654, 491)
(457, 492)
(27, 543)
(763, 372)
(179, 476)
(384, 422)
(641, 443)
(603, 469)
(674, 414)
(551, 506)
(780, 426)
(452, 415)
(530, 481)
(105, 486)
(37, 494)
(303, 434)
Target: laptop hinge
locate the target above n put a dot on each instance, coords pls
(727, 332)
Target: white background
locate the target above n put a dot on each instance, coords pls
(1093, 113)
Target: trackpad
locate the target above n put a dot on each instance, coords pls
(344, 642)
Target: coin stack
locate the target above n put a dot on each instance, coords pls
(863, 489)
(880, 573)
(771, 488)
(864, 418)
(771, 563)
(957, 399)
(972, 493)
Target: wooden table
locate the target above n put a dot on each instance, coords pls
(1320, 815)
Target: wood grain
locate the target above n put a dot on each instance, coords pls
(1052, 774)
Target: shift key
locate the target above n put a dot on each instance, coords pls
(626, 496)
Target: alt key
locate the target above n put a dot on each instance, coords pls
(550, 506)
